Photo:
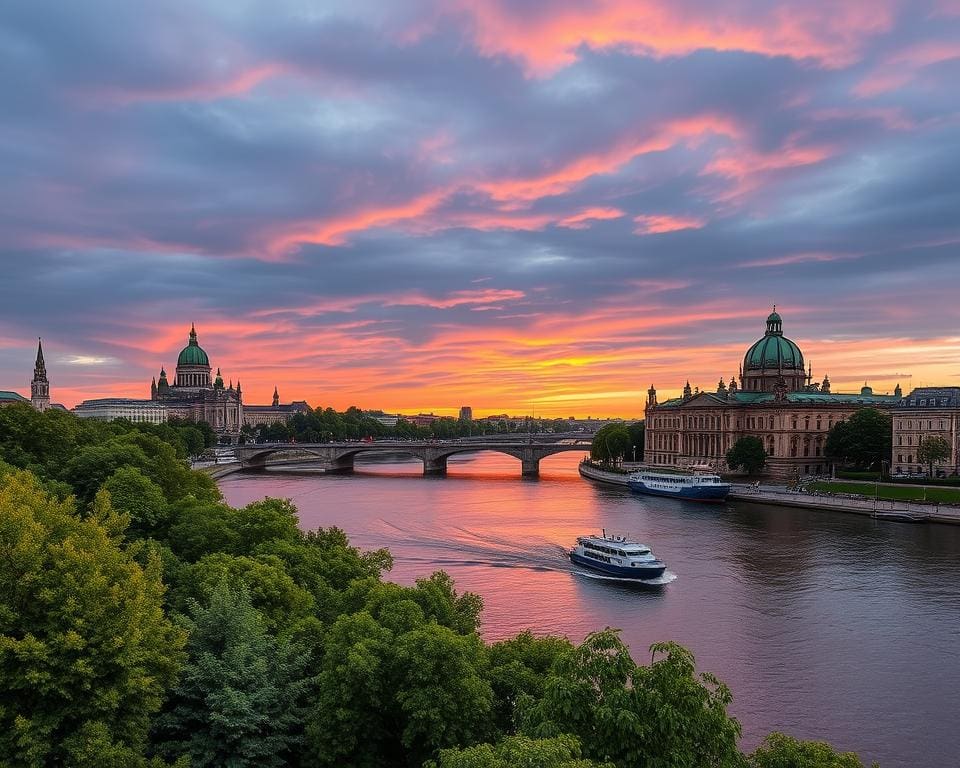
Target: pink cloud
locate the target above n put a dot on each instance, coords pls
(799, 258)
(229, 85)
(657, 224)
(547, 37)
(583, 219)
(905, 66)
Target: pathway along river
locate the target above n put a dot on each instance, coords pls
(825, 625)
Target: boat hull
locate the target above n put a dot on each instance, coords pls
(711, 494)
(640, 572)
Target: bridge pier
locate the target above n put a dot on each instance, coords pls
(435, 466)
(342, 465)
(530, 467)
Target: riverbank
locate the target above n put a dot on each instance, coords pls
(894, 511)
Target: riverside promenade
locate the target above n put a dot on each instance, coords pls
(894, 511)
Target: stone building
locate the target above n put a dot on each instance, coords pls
(776, 401)
(110, 408)
(263, 415)
(194, 396)
(926, 412)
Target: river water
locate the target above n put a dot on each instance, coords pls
(825, 625)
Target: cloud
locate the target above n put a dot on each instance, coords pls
(421, 204)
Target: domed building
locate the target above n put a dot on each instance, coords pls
(195, 397)
(775, 400)
(771, 358)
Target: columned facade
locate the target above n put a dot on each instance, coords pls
(778, 404)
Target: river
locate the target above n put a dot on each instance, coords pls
(825, 625)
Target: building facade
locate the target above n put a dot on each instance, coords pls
(926, 412)
(776, 401)
(263, 415)
(466, 413)
(110, 408)
(193, 395)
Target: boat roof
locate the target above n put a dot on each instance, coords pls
(619, 541)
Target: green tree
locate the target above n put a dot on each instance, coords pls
(636, 432)
(747, 453)
(518, 669)
(560, 752)
(599, 450)
(863, 441)
(271, 590)
(141, 499)
(86, 653)
(618, 443)
(782, 751)
(663, 714)
(242, 696)
(932, 450)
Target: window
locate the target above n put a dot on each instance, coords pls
(794, 422)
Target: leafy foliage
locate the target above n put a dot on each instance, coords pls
(560, 752)
(86, 652)
(863, 441)
(782, 751)
(242, 697)
(612, 442)
(747, 453)
(932, 450)
(663, 714)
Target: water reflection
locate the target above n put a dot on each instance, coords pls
(827, 625)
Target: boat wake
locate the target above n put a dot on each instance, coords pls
(666, 578)
(463, 547)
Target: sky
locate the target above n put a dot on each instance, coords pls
(515, 205)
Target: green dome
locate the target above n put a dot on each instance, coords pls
(193, 353)
(774, 351)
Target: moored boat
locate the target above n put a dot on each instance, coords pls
(617, 556)
(690, 486)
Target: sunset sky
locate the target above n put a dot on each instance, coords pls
(511, 204)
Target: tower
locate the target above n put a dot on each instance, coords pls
(39, 386)
(276, 398)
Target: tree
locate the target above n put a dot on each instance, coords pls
(518, 669)
(560, 752)
(618, 443)
(636, 432)
(932, 450)
(141, 499)
(782, 751)
(242, 696)
(863, 441)
(86, 653)
(747, 453)
(663, 714)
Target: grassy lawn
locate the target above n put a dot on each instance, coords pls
(891, 492)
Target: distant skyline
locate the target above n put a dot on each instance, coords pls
(495, 203)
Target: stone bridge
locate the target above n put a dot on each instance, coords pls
(339, 457)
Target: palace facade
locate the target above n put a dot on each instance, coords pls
(195, 396)
(776, 401)
(926, 412)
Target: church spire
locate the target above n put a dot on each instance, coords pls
(276, 397)
(40, 386)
